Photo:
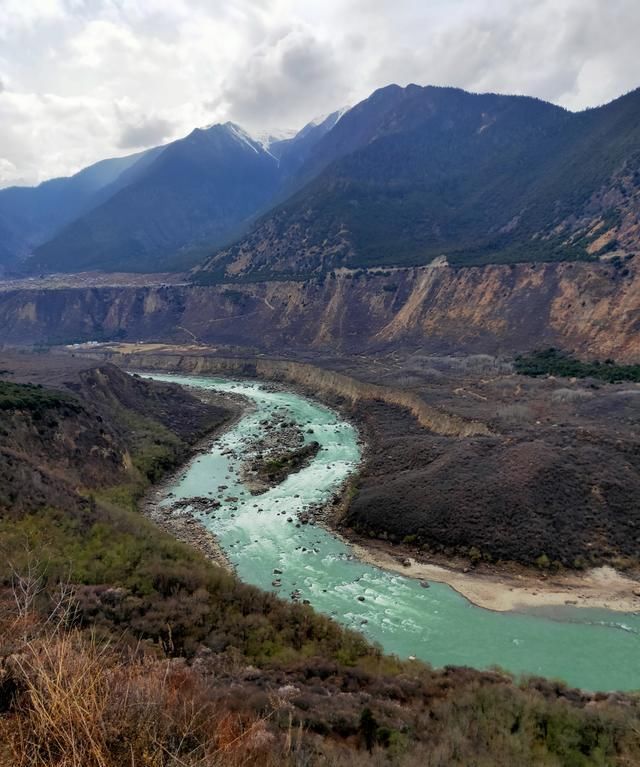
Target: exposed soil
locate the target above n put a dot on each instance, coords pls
(508, 587)
(493, 309)
(93, 280)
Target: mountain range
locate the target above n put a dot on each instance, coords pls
(406, 176)
(162, 209)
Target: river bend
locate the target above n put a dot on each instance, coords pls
(592, 649)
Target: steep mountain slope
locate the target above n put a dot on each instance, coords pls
(30, 215)
(198, 190)
(98, 427)
(411, 174)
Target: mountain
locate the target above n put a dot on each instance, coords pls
(412, 174)
(295, 152)
(199, 192)
(407, 176)
(30, 215)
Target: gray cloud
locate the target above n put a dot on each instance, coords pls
(113, 76)
(145, 132)
(284, 81)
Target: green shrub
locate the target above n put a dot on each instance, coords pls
(555, 362)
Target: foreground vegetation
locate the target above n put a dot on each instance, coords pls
(556, 363)
(120, 646)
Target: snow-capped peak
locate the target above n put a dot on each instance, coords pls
(266, 138)
(326, 122)
(336, 115)
(241, 135)
(261, 140)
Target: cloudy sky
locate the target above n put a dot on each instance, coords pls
(81, 80)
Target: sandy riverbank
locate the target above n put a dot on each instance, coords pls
(602, 587)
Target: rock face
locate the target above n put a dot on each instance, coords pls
(592, 309)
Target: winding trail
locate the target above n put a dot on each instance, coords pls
(589, 648)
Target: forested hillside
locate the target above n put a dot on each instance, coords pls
(413, 174)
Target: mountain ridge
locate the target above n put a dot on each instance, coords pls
(198, 192)
(403, 177)
(29, 215)
(478, 178)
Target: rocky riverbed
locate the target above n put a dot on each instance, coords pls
(280, 449)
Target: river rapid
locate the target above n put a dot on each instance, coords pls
(592, 649)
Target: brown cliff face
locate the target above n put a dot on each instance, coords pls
(592, 309)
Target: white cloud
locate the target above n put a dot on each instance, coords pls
(113, 75)
(19, 16)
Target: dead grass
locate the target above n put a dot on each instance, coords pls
(83, 703)
(71, 699)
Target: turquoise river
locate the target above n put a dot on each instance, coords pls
(592, 649)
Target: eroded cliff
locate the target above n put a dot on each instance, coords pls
(592, 309)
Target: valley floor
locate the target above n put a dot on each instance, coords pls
(270, 682)
(539, 509)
